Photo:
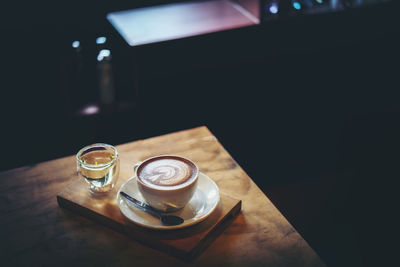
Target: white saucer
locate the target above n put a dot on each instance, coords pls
(203, 202)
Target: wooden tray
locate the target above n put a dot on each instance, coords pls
(184, 243)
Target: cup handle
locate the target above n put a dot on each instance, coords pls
(136, 166)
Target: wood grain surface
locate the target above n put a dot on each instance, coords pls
(35, 231)
(184, 243)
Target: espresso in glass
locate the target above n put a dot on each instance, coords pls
(98, 164)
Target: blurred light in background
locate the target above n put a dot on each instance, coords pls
(296, 5)
(101, 40)
(273, 8)
(90, 110)
(76, 44)
(104, 53)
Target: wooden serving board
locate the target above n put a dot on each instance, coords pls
(185, 243)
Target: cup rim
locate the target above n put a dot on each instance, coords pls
(98, 166)
(168, 188)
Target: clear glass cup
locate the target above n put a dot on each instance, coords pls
(98, 164)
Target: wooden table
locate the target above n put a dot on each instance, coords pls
(36, 231)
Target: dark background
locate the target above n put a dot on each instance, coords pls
(307, 105)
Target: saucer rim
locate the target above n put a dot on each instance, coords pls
(164, 227)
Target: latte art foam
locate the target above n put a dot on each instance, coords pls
(166, 171)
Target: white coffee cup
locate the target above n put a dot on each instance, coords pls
(167, 182)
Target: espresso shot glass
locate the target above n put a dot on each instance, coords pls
(98, 164)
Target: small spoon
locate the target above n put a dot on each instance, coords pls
(168, 220)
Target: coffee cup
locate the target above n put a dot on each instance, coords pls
(167, 182)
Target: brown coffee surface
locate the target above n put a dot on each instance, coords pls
(166, 171)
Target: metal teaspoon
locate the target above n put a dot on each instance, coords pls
(168, 220)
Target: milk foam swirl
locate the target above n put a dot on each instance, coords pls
(166, 172)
